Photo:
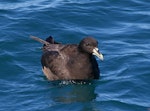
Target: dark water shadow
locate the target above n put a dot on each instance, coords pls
(69, 92)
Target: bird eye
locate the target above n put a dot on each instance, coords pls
(87, 44)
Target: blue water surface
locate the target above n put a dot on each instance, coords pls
(122, 28)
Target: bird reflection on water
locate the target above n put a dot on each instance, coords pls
(73, 91)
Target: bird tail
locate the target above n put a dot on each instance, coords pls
(46, 42)
(51, 40)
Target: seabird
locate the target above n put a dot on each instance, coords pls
(70, 61)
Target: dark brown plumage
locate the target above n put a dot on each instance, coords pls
(70, 61)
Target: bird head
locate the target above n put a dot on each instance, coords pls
(90, 45)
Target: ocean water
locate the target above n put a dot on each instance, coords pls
(122, 28)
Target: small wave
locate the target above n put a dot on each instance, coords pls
(142, 13)
(30, 5)
(136, 25)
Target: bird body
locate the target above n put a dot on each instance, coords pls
(70, 61)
